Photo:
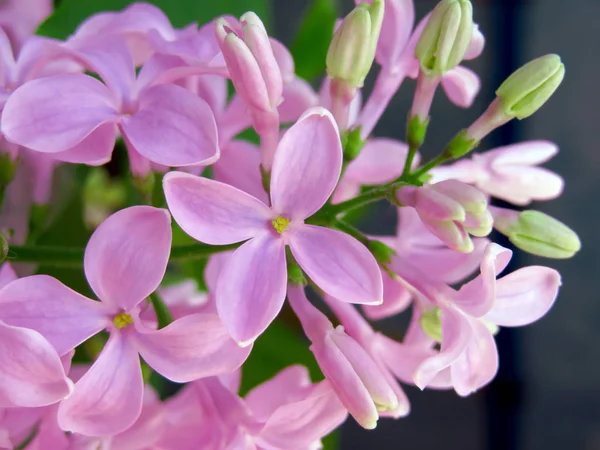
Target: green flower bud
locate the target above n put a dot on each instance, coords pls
(431, 324)
(446, 37)
(537, 233)
(352, 49)
(527, 89)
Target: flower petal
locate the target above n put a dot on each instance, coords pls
(31, 373)
(298, 96)
(251, 287)
(35, 117)
(338, 264)
(461, 86)
(307, 165)
(214, 212)
(126, 257)
(58, 313)
(380, 161)
(95, 150)
(108, 398)
(195, 346)
(173, 127)
(7, 274)
(478, 364)
(396, 298)
(524, 296)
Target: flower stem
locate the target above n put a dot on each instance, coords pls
(163, 315)
(349, 229)
(440, 159)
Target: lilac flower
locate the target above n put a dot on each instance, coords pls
(20, 18)
(252, 285)
(123, 268)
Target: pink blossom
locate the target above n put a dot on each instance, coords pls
(509, 173)
(359, 382)
(20, 18)
(451, 210)
(152, 117)
(252, 285)
(122, 269)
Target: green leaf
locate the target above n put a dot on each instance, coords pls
(70, 13)
(310, 46)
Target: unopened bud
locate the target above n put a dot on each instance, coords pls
(527, 89)
(446, 37)
(353, 46)
(537, 233)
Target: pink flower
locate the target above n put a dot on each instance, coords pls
(509, 173)
(468, 357)
(450, 210)
(20, 18)
(359, 382)
(123, 268)
(252, 285)
(151, 117)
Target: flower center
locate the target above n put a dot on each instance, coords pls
(122, 320)
(280, 224)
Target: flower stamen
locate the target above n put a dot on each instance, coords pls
(280, 224)
(122, 320)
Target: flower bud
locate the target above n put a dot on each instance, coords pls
(353, 46)
(446, 37)
(537, 233)
(527, 89)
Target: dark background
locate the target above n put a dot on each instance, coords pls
(547, 394)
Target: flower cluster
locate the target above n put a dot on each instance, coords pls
(270, 220)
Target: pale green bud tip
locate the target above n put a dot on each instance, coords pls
(539, 234)
(431, 324)
(446, 37)
(352, 49)
(527, 89)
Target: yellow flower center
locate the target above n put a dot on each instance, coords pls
(122, 320)
(280, 224)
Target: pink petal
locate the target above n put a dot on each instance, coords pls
(521, 185)
(379, 162)
(108, 398)
(397, 26)
(212, 89)
(526, 153)
(298, 96)
(37, 118)
(31, 373)
(7, 274)
(338, 264)
(461, 86)
(476, 298)
(126, 257)
(195, 346)
(396, 298)
(477, 44)
(251, 287)
(173, 128)
(214, 212)
(524, 296)
(478, 364)
(58, 313)
(307, 165)
(284, 59)
(456, 336)
(95, 150)
(300, 424)
(239, 166)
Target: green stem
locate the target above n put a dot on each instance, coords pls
(198, 251)
(412, 151)
(163, 315)
(373, 195)
(349, 229)
(440, 159)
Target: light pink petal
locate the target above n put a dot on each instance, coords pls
(214, 212)
(524, 296)
(58, 313)
(195, 346)
(239, 166)
(461, 86)
(173, 127)
(476, 298)
(7, 274)
(95, 150)
(287, 386)
(251, 287)
(456, 336)
(212, 89)
(478, 364)
(380, 161)
(298, 96)
(307, 165)
(284, 59)
(397, 26)
(526, 153)
(464, 170)
(37, 118)
(108, 398)
(31, 373)
(303, 423)
(522, 184)
(126, 257)
(396, 298)
(477, 44)
(338, 264)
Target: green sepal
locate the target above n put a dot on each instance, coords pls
(415, 131)
(460, 145)
(352, 144)
(295, 273)
(431, 323)
(382, 252)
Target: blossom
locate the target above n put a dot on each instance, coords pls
(122, 269)
(20, 18)
(252, 285)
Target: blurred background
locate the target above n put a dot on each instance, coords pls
(547, 394)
